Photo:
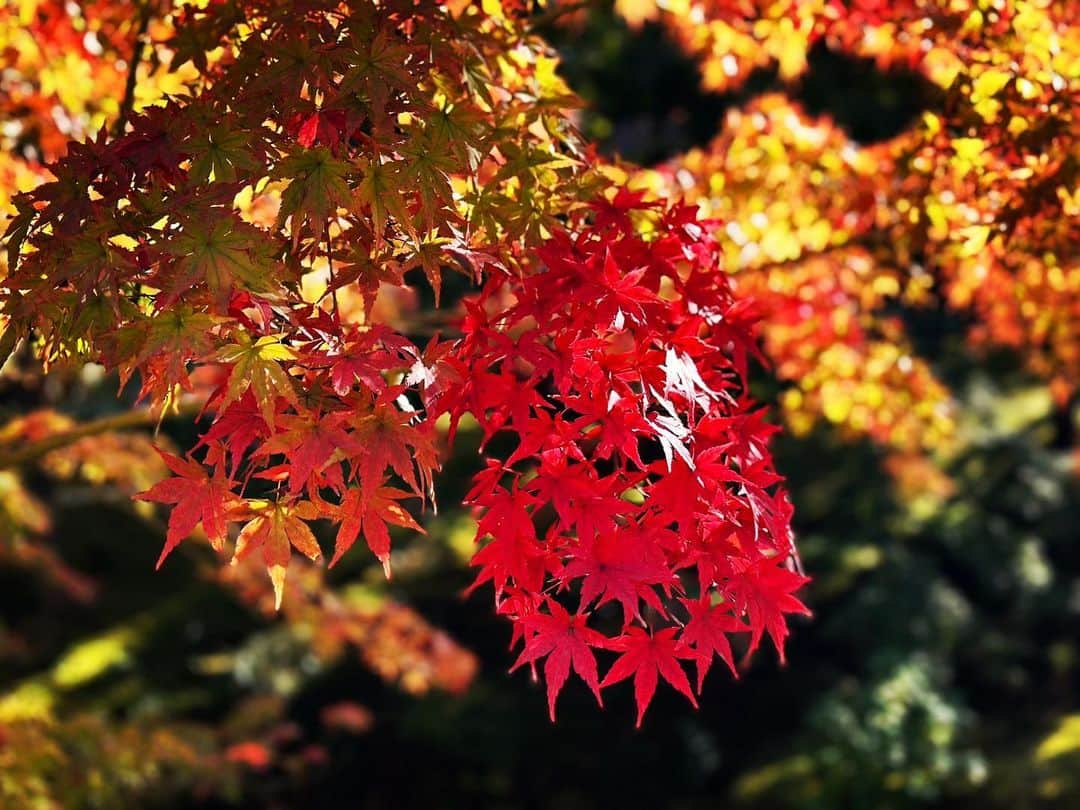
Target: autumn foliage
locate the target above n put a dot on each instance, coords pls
(240, 249)
(973, 208)
(603, 340)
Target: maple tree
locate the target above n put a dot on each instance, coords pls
(602, 336)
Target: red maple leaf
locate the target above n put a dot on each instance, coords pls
(706, 633)
(513, 554)
(369, 512)
(763, 590)
(620, 567)
(235, 430)
(197, 498)
(565, 640)
(647, 657)
(308, 445)
(385, 438)
(322, 127)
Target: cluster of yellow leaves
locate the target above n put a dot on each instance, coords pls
(732, 38)
(88, 761)
(798, 204)
(976, 205)
(16, 175)
(55, 760)
(993, 180)
(125, 460)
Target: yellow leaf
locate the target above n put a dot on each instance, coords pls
(1065, 740)
(968, 148)
(989, 84)
(277, 576)
(976, 239)
(86, 661)
(30, 701)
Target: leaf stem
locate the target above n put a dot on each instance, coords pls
(330, 267)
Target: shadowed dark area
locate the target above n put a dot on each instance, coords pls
(646, 103)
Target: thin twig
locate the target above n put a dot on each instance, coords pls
(330, 268)
(128, 101)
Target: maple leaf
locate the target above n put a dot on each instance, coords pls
(430, 254)
(308, 445)
(369, 511)
(621, 296)
(381, 190)
(580, 498)
(429, 167)
(502, 401)
(318, 187)
(256, 367)
(276, 529)
(386, 438)
(706, 633)
(235, 429)
(366, 357)
(619, 567)
(513, 553)
(683, 378)
(677, 494)
(322, 126)
(646, 657)
(763, 590)
(222, 153)
(380, 62)
(177, 335)
(225, 255)
(565, 640)
(196, 498)
(616, 426)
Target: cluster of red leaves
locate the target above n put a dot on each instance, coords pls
(640, 473)
(399, 136)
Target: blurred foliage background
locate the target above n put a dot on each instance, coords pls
(941, 667)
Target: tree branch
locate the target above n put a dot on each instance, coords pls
(29, 453)
(128, 101)
(557, 10)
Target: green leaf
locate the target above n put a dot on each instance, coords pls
(318, 188)
(221, 156)
(256, 366)
(382, 190)
(226, 256)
